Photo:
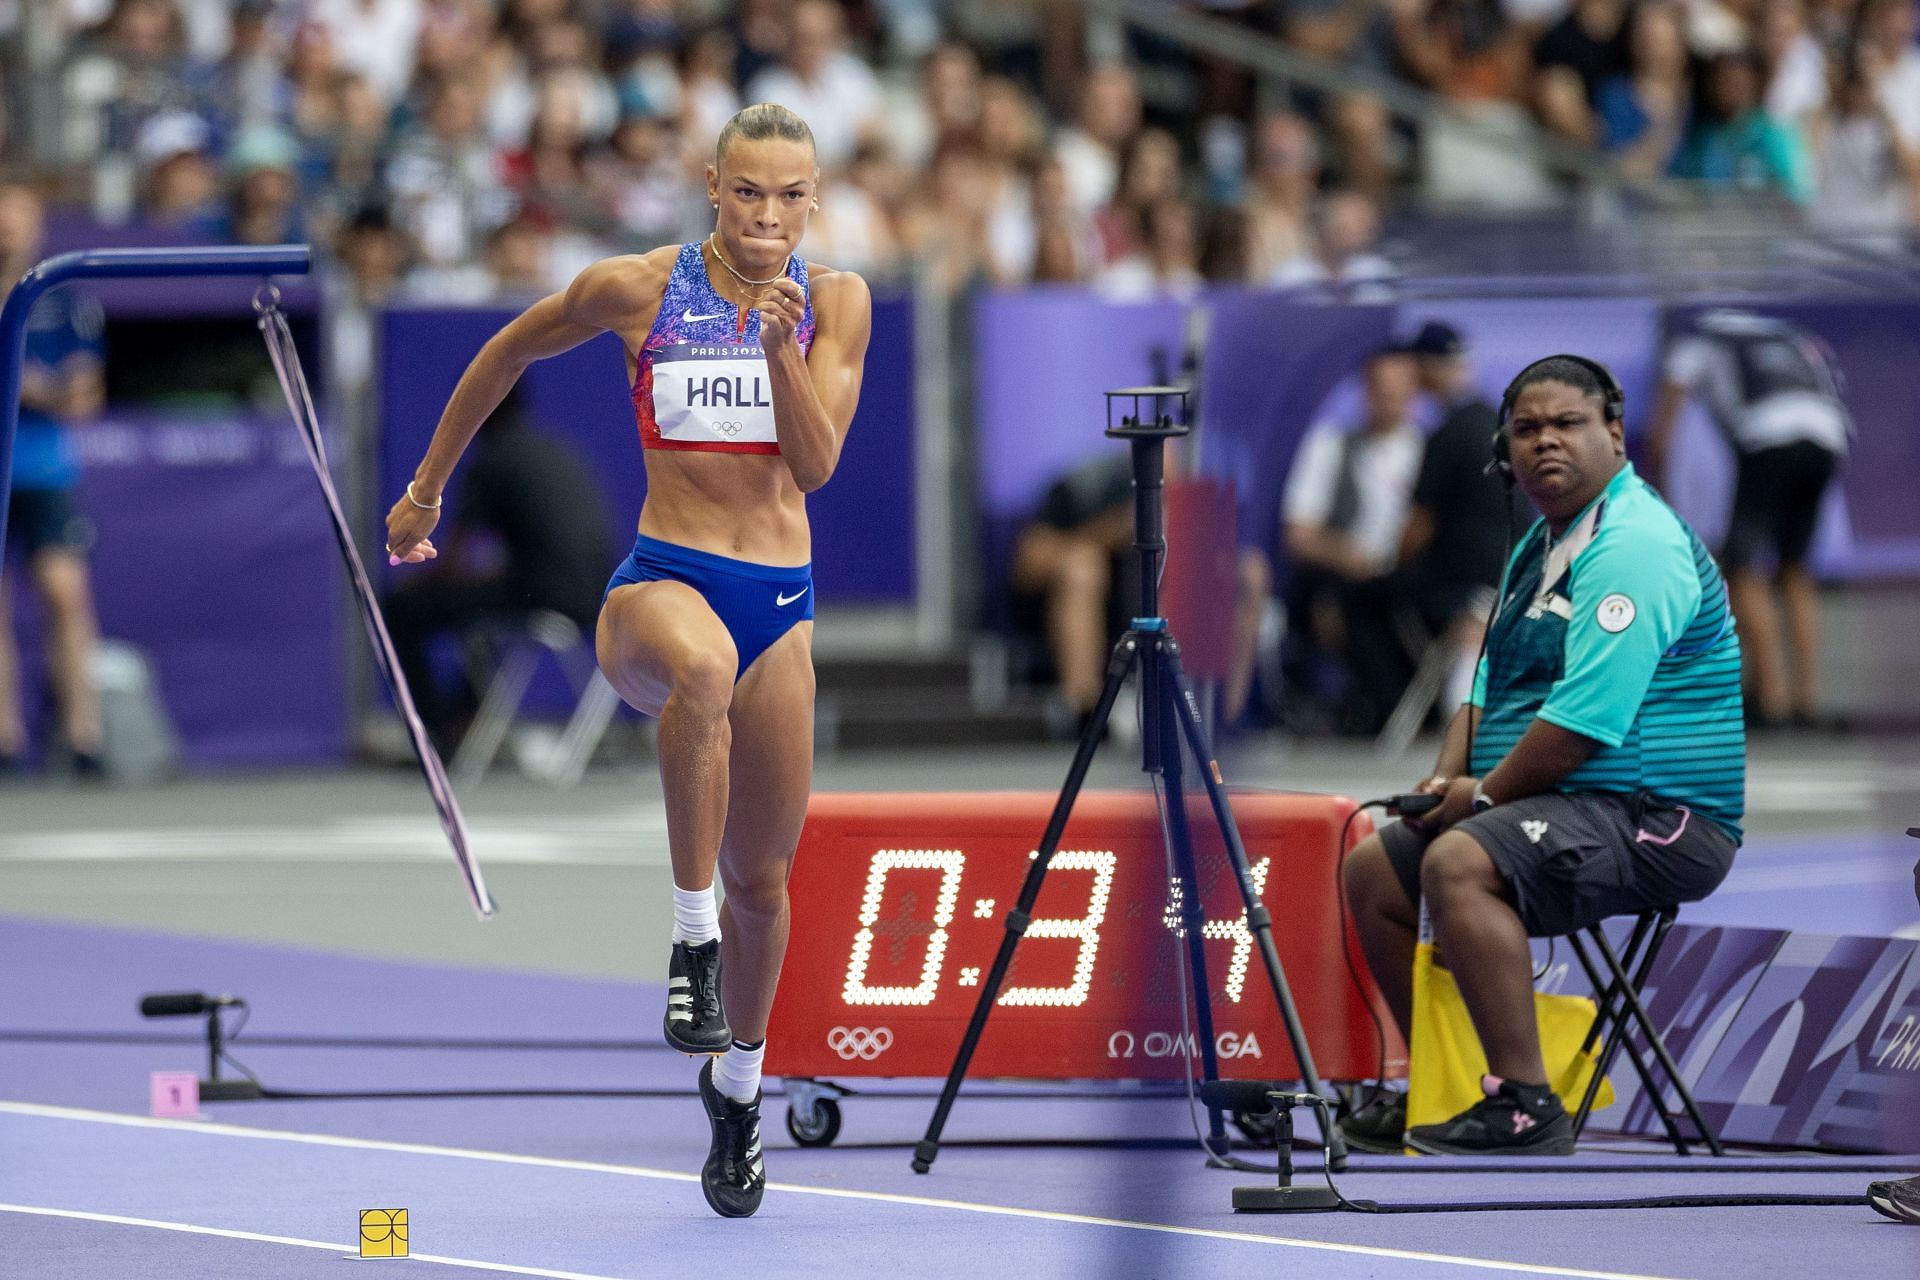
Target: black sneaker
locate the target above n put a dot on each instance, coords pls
(1380, 1127)
(734, 1176)
(1897, 1200)
(694, 1023)
(1512, 1120)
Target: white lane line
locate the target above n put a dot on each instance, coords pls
(344, 1250)
(213, 1129)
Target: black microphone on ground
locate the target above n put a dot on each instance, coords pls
(1248, 1096)
(183, 1004)
(192, 1004)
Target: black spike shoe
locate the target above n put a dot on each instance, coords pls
(694, 1023)
(735, 1175)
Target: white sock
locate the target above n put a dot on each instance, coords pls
(737, 1073)
(696, 916)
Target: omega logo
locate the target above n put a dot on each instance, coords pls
(1159, 1044)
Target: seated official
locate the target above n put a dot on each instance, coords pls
(1069, 558)
(1598, 769)
(530, 500)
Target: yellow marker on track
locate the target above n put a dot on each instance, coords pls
(383, 1233)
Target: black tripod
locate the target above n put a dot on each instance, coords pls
(1170, 713)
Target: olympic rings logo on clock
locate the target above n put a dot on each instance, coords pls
(864, 1043)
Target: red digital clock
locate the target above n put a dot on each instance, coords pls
(900, 902)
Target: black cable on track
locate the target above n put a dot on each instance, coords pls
(300, 1041)
(1858, 1200)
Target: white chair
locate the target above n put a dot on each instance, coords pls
(1437, 657)
(520, 647)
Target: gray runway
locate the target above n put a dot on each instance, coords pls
(353, 860)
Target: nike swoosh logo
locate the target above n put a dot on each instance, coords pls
(786, 599)
(691, 318)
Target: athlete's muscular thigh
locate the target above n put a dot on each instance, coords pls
(653, 636)
(772, 760)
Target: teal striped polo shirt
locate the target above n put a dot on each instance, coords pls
(1620, 631)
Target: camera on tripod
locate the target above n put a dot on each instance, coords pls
(1147, 417)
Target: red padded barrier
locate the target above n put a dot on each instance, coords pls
(900, 902)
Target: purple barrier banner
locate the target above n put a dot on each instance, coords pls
(1704, 975)
(1272, 366)
(1817, 1047)
(214, 559)
(1042, 359)
(1786, 1039)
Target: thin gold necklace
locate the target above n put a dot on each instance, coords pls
(714, 244)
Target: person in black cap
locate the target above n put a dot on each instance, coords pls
(1461, 521)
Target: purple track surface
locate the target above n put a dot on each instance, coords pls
(604, 1187)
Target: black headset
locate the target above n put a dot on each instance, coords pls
(1614, 407)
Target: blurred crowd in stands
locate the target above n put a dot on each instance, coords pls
(473, 147)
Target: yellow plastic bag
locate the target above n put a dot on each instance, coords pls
(1445, 1061)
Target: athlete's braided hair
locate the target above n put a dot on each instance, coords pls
(759, 122)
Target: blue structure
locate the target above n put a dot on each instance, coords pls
(97, 264)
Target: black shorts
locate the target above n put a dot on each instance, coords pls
(38, 519)
(1574, 859)
(1776, 501)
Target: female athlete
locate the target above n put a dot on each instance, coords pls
(746, 364)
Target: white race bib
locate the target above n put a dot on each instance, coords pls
(713, 393)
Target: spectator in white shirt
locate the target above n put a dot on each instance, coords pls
(942, 102)
(445, 179)
(1342, 513)
(1889, 27)
(831, 89)
(1011, 138)
(1346, 227)
(1866, 176)
(374, 37)
(1796, 68)
(709, 94)
(1166, 264)
(853, 228)
(1284, 173)
(1089, 148)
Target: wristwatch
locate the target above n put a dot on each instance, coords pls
(1481, 800)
